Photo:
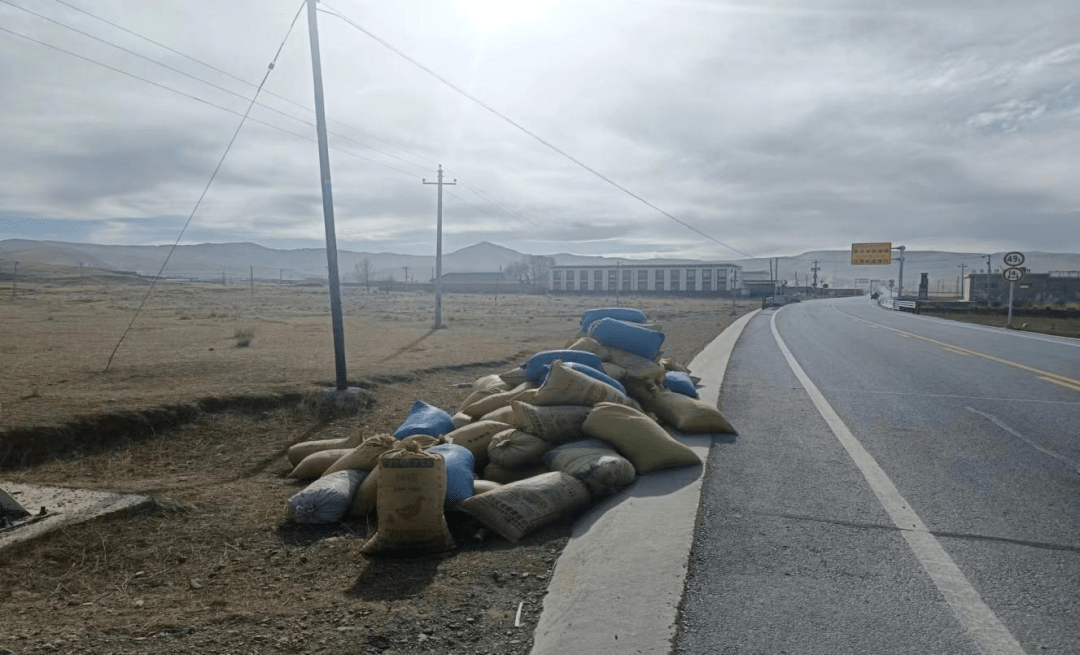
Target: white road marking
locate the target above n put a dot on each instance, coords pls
(996, 421)
(980, 622)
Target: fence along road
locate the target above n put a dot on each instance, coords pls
(901, 485)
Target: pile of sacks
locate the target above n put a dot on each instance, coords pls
(527, 447)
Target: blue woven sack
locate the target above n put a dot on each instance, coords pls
(425, 419)
(627, 336)
(534, 368)
(680, 382)
(620, 313)
(459, 472)
(591, 372)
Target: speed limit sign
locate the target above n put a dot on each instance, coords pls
(1014, 259)
(1013, 274)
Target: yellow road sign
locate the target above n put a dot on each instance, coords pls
(873, 254)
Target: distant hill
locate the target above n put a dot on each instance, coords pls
(210, 261)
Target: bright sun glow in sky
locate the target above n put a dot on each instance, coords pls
(502, 15)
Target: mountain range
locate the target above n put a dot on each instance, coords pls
(211, 261)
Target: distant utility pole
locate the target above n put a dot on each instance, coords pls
(900, 286)
(280, 275)
(987, 280)
(960, 287)
(406, 277)
(815, 270)
(251, 275)
(15, 280)
(438, 248)
(328, 200)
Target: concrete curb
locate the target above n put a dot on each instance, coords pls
(618, 584)
(64, 507)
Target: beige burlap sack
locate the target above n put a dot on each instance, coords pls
(636, 366)
(364, 457)
(615, 371)
(412, 488)
(590, 345)
(638, 438)
(514, 376)
(514, 449)
(475, 437)
(315, 464)
(484, 486)
(298, 451)
(490, 382)
(554, 423)
(366, 495)
(460, 420)
(502, 475)
(501, 415)
(594, 462)
(421, 440)
(518, 508)
(687, 414)
(565, 386)
(491, 402)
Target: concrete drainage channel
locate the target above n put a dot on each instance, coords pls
(30, 511)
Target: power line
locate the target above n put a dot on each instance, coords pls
(213, 175)
(202, 100)
(336, 13)
(198, 79)
(243, 81)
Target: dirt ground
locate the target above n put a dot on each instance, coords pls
(216, 568)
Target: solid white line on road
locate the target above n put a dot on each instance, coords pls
(996, 421)
(980, 622)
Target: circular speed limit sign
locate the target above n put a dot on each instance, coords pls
(1013, 274)
(1014, 259)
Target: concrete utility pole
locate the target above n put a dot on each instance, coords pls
(14, 280)
(900, 285)
(328, 201)
(406, 277)
(961, 286)
(438, 248)
(987, 280)
(251, 276)
(814, 270)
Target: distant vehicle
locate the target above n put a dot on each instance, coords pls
(875, 295)
(779, 301)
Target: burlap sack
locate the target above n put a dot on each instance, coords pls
(316, 463)
(565, 386)
(514, 376)
(476, 436)
(327, 500)
(496, 473)
(365, 456)
(483, 486)
(594, 462)
(298, 451)
(491, 381)
(501, 415)
(460, 420)
(636, 366)
(687, 414)
(638, 438)
(490, 403)
(366, 495)
(554, 423)
(590, 345)
(514, 449)
(518, 508)
(412, 488)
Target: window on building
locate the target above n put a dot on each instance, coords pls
(569, 280)
(598, 279)
(659, 277)
(583, 280)
(612, 278)
(627, 275)
(676, 279)
(691, 280)
(642, 280)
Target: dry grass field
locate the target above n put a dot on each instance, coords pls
(197, 409)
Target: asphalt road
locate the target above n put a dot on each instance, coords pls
(920, 493)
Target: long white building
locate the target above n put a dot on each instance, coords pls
(709, 277)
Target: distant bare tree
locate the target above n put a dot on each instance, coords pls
(518, 271)
(363, 272)
(539, 269)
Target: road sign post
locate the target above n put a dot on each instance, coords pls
(1012, 274)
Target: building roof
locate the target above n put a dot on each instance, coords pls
(474, 278)
(646, 265)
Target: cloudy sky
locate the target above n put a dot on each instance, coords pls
(775, 127)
